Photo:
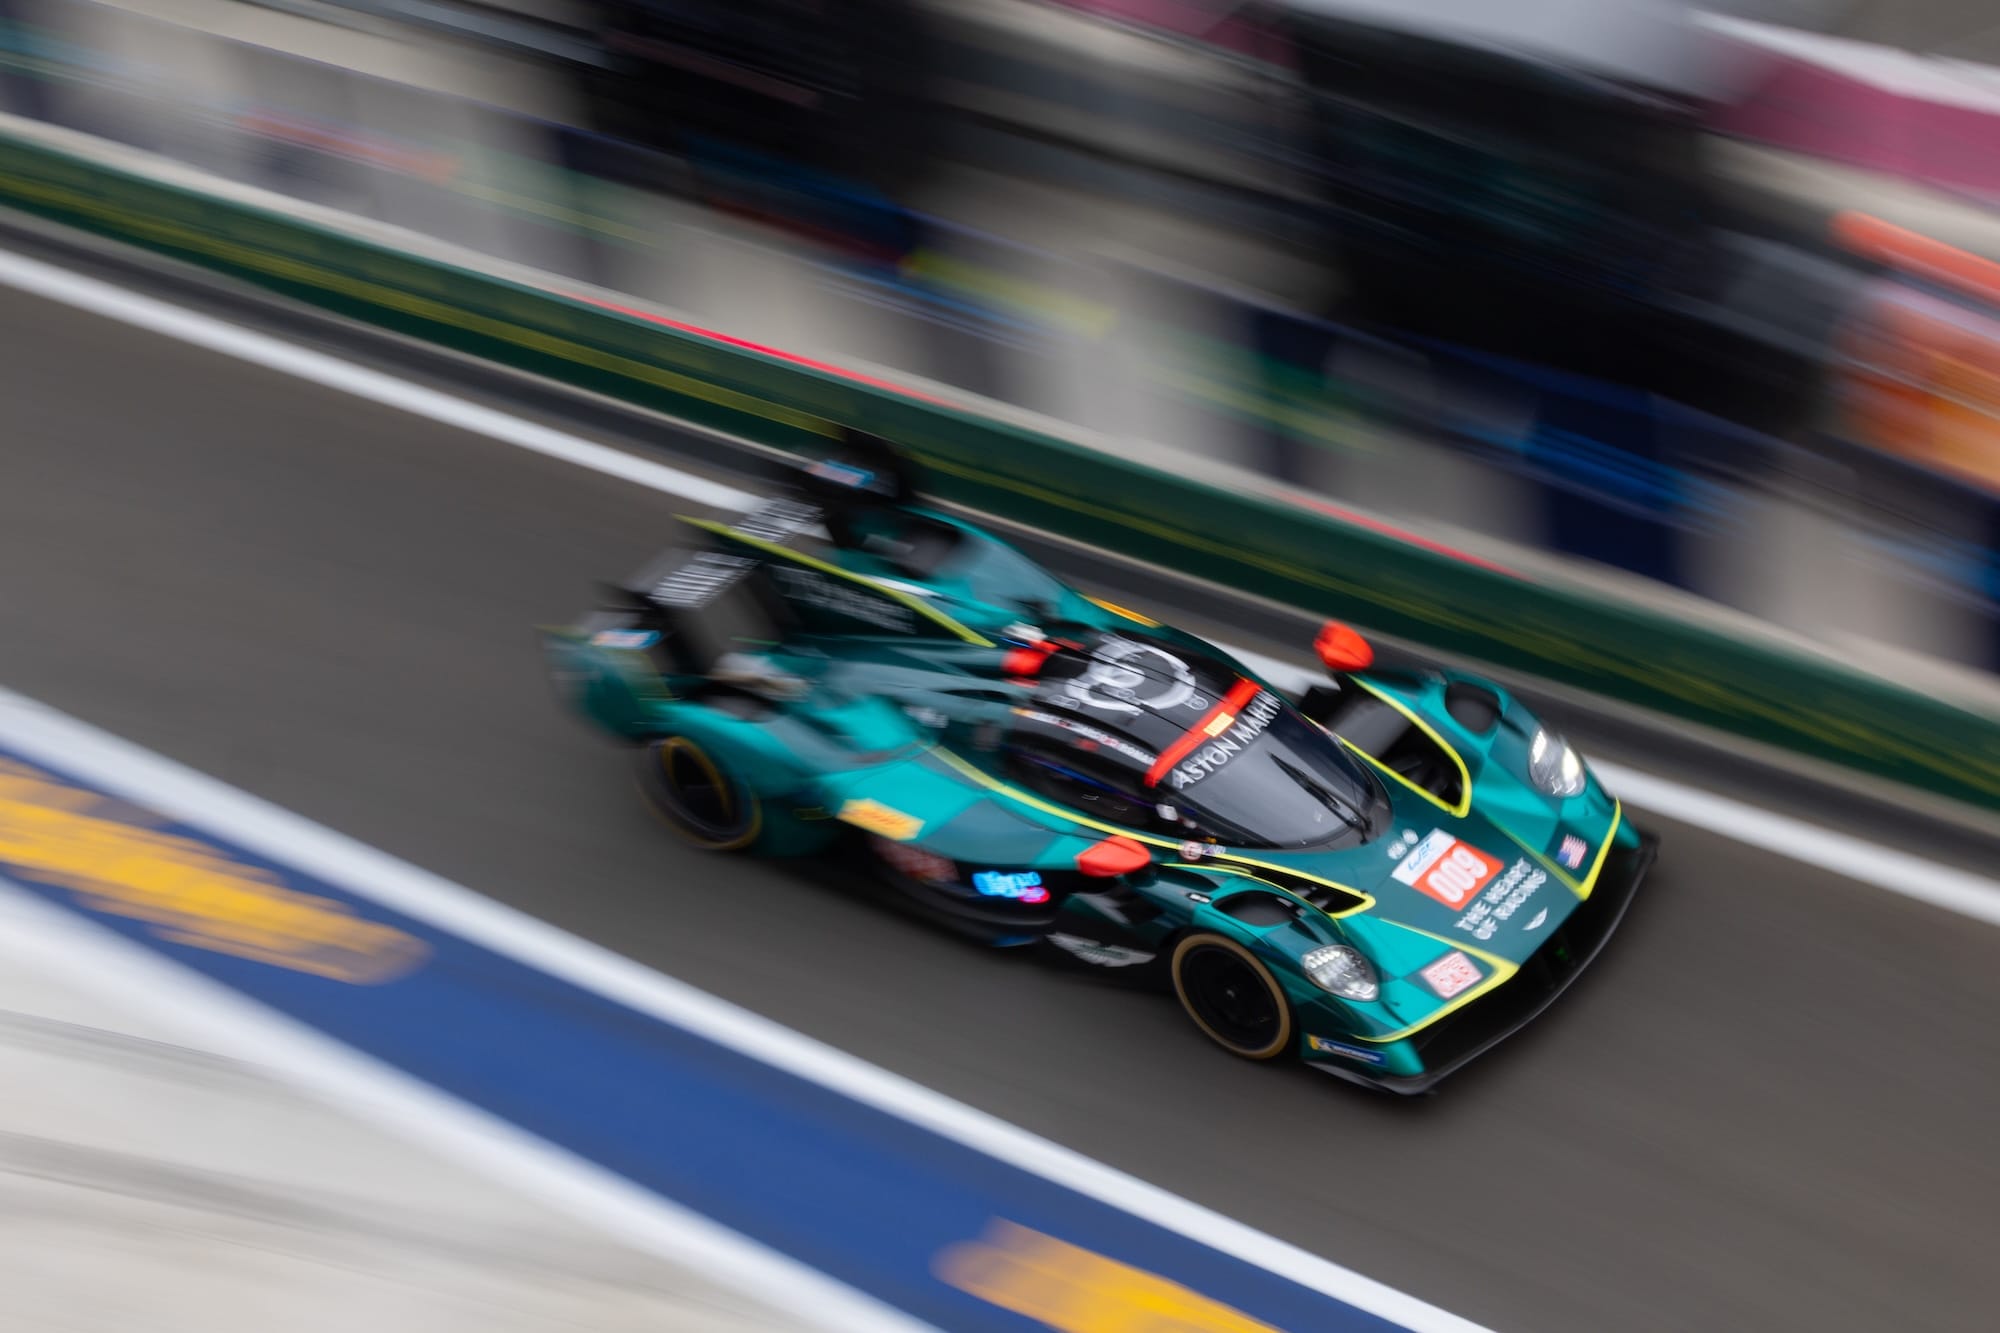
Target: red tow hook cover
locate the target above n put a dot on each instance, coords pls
(1113, 856)
(1341, 648)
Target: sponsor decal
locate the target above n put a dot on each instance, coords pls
(1096, 735)
(1451, 974)
(925, 716)
(1194, 897)
(1571, 851)
(1446, 869)
(1103, 955)
(1068, 1289)
(1501, 901)
(625, 638)
(701, 579)
(777, 519)
(1328, 1047)
(841, 474)
(878, 818)
(1403, 843)
(1025, 885)
(1193, 851)
(1237, 733)
(840, 597)
(1535, 921)
(1125, 675)
(185, 890)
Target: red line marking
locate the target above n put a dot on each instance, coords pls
(1233, 703)
(1404, 535)
(744, 344)
(827, 368)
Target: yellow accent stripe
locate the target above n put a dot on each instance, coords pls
(1500, 968)
(1219, 867)
(1464, 805)
(1581, 888)
(1124, 611)
(916, 604)
(1503, 968)
(1221, 861)
(1597, 866)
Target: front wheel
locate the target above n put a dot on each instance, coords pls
(1232, 997)
(696, 796)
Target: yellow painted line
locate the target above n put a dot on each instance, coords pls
(1069, 1289)
(186, 891)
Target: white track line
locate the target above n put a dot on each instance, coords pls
(1870, 863)
(130, 974)
(121, 766)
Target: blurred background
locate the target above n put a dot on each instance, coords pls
(1700, 303)
(1697, 306)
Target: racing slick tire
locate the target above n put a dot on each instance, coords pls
(1232, 997)
(697, 797)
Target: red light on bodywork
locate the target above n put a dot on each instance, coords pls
(1340, 648)
(1026, 663)
(1113, 856)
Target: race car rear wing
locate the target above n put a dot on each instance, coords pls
(751, 587)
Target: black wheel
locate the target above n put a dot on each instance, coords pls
(1232, 997)
(697, 797)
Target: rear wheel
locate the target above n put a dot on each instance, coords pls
(697, 797)
(1232, 997)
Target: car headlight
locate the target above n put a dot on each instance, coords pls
(1343, 971)
(1553, 766)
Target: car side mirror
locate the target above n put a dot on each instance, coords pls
(1341, 648)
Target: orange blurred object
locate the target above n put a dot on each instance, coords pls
(1113, 856)
(1341, 648)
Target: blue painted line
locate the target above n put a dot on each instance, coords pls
(862, 1195)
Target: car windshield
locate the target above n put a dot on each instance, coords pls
(1292, 786)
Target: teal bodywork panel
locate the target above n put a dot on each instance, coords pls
(875, 704)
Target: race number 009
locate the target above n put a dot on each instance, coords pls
(1459, 875)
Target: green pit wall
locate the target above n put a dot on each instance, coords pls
(1303, 559)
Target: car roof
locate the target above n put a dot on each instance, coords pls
(1127, 698)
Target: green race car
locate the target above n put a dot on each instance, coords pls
(1383, 876)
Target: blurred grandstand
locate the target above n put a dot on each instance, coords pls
(1639, 285)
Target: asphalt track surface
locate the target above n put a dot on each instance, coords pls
(1770, 1106)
